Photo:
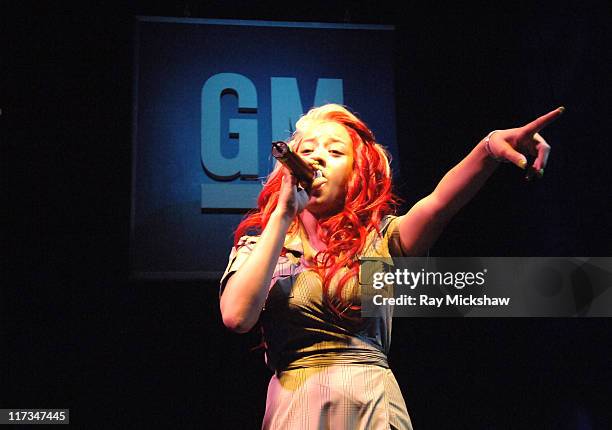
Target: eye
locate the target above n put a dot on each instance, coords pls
(305, 151)
(336, 152)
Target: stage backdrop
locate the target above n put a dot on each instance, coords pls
(209, 98)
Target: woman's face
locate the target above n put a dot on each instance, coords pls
(329, 145)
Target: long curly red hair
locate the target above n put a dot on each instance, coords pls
(369, 197)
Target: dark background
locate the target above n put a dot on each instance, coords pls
(78, 334)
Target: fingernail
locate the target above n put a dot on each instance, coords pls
(522, 164)
(562, 109)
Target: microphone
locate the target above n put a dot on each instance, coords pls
(303, 171)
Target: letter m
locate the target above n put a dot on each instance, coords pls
(287, 105)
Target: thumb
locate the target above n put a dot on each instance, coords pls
(288, 182)
(515, 157)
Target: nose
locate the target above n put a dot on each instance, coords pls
(318, 155)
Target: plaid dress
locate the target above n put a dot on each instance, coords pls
(329, 372)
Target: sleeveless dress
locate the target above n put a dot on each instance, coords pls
(329, 372)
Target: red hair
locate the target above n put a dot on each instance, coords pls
(369, 198)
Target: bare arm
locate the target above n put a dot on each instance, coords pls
(421, 226)
(246, 290)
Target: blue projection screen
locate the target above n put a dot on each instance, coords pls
(209, 98)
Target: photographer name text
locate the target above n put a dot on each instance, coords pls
(447, 300)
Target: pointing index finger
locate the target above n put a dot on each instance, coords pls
(539, 123)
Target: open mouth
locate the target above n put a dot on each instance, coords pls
(318, 182)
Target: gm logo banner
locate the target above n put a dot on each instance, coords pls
(209, 98)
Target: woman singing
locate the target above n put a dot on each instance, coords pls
(295, 263)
